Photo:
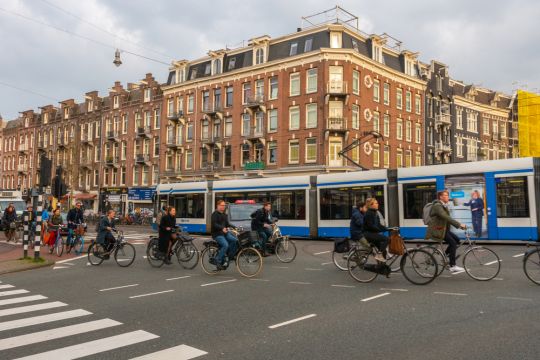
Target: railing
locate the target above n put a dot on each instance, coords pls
(443, 147)
(112, 135)
(86, 162)
(255, 132)
(336, 123)
(336, 87)
(176, 115)
(211, 109)
(41, 144)
(171, 172)
(443, 119)
(111, 160)
(143, 131)
(210, 139)
(174, 141)
(210, 166)
(23, 147)
(496, 136)
(142, 158)
(22, 168)
(255, 100)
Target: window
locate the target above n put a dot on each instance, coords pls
(415, 197)
(207, 69)
(246, 124)
(311, 115)
(376, 121)
(294, 152)
(116, 102)
(459, 146)
(155, 174)
(386, 125)
(157, 114)
(337, 203)
(96, 177)
(273, 87)
(156, 146)
(335, 40)
(355, 45)
(408, 131)
(246, 151)
(377, 53)
(217, 67)
(124, 124)
(191, 103)
(399, 99)
(408, 158)
(147, 94)
(376, 91)
(228, 126)
(418, 133)
(227, 156)
(417, 103)
(90, 105)
(246, 93)
(272, 152)
(272, 120)
(189, 206)
(408, 101)
(459, 118)
(189, 159)
(311, 150)
(418, 159)
(205, 100)
(356, 82)
(259, 56)
(399, 129)
(259, 90)
(399, 158)
(123, 153)
(193, 74)
(355, 116)
(495, 127)
(189, 130)
(204, 129)
(376, 155)
(386, 156)
(294, 118)
(147, 120)
(311, 83)
(308, 45)
(145, 173)
(485, 126)
(217, 99)
(386, 94)
(136, 175)
(512, 197)
(502, 128)
(294, 49)
(229, 96)
(232, 63)
(294, 88)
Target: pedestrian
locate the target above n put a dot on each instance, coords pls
(477, 212)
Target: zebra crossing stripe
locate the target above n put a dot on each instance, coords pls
(42, 319)
(94, 347)
(22, 299)
(30, 308)
(13, 292)
(57, 333)
(6, 286)
(182, 352)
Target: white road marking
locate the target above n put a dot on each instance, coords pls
(70, 264)
(518, 255)
(343, 286)
(94, 347)
(68, 260)
(327, 263)
(323, 252)
(312, 269)
(15, 324)
(300, 282)
(449, 293)
(119, 287)
(385, 289)
(6, 286)
(22, 299)
(178, 278)
(30, 308)
(513, 298)
(492, 262)
(150, 294)
(259, 279)
(375, 297)
(280, 267)
(88, 264)
(144, 257)
(182, 352)
(13, 292)
(218, 282)
(59, 267)
(292, 321)
(497, 278)
(47, 335)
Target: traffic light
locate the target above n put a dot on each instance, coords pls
(45, 172)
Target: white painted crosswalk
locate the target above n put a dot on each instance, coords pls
(16, 314)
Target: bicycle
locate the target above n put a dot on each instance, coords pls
(124, 252)
(340, 258)
(248, 259)
(531, 264)
(58, 246)
(479, 262)
(14, 233)
(282, 246)
(77, 239)
(184, 249)
(418, 266)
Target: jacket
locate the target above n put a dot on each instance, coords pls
(440, 222)
(477, 207)
(9, 217)
(219, 221)
(357, 224)
(75, 216)
(259, 218)
(167, 221)
(104, 223)
(372, 222)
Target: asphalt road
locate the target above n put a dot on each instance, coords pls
(230, 317)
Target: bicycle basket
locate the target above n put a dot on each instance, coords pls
(396, 245)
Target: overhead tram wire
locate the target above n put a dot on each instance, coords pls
(104, 30)
(80, 36)
(28, 91)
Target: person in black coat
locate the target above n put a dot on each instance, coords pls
(261, 222)
(373, 228)
(166, 229)
(105, 228)
(357, 221)
(220, 225)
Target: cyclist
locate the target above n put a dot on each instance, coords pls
(373, 228)
(220, 232)
(261, 222)
(439, 228)
(75, 217)
(105, 229)
(166, 234)
(54, 226)
(9, 221)
(32, 217)
(357, 221)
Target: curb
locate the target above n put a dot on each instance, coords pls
(29, 266)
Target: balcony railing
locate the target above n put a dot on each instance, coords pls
(171, 172)
(442, 147)
(210, 166)
(112, 135)
(336, 123)
(144, 131)
(41, 145)
(255, 132)
(211, 139)
(443, 119)
(255, 100)
(337, 87)
(23, 148)
(22, 168)
(211, 109)
(175, 116)
(174, 142)
(86, 162)
(496, 136)
(111, 161)
(142, 158)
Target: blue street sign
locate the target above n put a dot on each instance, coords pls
(141, 193)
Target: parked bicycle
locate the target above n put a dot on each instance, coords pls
(418, 266)
(248, 259)
(184, 249)
(531, 264)
(124, 252)
(479, 262)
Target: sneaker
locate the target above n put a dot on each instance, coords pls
(456, 268)
(380, 257)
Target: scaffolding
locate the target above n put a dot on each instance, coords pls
(528, 123)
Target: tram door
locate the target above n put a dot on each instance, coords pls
(462, 191)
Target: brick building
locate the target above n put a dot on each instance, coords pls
(10, 155)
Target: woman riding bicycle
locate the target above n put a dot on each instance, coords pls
(373, 228)
(9, 222)
(166, 234)
(54, 225)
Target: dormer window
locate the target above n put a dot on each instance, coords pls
(207, 69)
(294, 49)
(26, 122)
(216, 67)
(182, 75)
(90, 106)
(45, 118)
(308, 45)
(147, 94)
(409, 67)
(193, 74)
(259, 56)
(377, 53)
(66, 113)
(116, 101)
(355, 45)
(335, 40)
(232, 63)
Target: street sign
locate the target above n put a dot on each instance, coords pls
(141, 194)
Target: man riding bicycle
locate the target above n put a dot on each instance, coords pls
(105, 229)
(228, 243)
(261, 222)
(75, 217)
(167, 226)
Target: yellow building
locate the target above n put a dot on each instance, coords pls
(529, 123)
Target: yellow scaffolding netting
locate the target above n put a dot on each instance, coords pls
(529, 123)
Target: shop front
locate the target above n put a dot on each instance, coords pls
(113, 198)
(140, 200)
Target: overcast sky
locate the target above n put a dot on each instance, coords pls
(494, 43)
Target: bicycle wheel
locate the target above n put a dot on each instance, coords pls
(531, 266)
(439, 257)
(208, 259)
(481, 263)
(286, 250)
(78, 245)
(340, 260)
(360, 264)
(249, 262)
(419, 266)
(124, 255)
(59, 247)
(152, 250)
(95, 252)
(187, 255)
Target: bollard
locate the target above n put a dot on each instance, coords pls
(25, 234)
(37, 235)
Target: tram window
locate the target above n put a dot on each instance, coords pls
(337, 204)
(512, 197)
(415, 196)
(189, 206)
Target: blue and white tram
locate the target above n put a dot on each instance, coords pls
(338, 193)
(288, 194)
(191, 202)
(506, 186)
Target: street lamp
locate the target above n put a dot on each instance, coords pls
(357, 142)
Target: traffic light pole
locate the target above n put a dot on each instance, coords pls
(37, 238)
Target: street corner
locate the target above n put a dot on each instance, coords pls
(22, 264)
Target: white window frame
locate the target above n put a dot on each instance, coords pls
(297, 143)
(294, 78)
(310, 110)
(296, 109)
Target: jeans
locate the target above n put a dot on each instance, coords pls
(477, 223)
(227, 245)
(70, 236)
(264, 235)
(452, 240)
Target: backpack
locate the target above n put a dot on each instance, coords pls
(426, 213)
(342, 245)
